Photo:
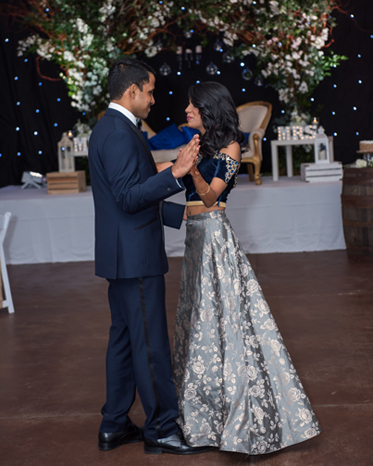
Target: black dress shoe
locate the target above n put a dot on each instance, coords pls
(108, 441)
(175, 444)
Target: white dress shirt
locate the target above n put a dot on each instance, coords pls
(125, 112)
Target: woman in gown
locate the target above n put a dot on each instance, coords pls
(237, 387)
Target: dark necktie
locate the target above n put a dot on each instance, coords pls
(139, 124)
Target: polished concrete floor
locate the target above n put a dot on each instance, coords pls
(52, 356)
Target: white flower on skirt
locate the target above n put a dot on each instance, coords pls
(284, 377)
(198, 367)
(259, 413)
(251, 372)
(311, 432)
(244, 270)
(227, 370)
(304, 415)
(207, 315)
(270, 324)
(237, 286)
(241, 371)
(220, 271)
(186, 429)
(230, 302)
(190, 392)
(263, 307)
(262, 446)
(253, 341)
(219, 427)
(256, 391)
(294, 394)
(252, 287)
(276, 346)
(205, 428)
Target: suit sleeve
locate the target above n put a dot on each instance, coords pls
(120, 158)
(172, 214)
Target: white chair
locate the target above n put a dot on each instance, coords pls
(7, 301)
(254, 119)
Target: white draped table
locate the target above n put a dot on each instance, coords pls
(284, 216)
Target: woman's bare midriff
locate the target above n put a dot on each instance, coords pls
(200, 209)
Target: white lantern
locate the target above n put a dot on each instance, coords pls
(66, 162)
(322, 154)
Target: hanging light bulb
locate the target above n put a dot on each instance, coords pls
(198, 54)
(212, 69)
(188, 34)
(228, 57)
(188, 56)
(258, 81)
(247, 74)
(165, 69)
(218, 46)
(159, 45)
(179, 59)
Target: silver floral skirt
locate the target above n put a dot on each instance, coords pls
(237, 387)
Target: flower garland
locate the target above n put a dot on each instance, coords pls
(287, 37)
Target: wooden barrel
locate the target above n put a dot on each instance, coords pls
(357, 211)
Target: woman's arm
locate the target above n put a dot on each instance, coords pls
(163, 165)
(209, 193)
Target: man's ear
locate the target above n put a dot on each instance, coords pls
(133, 90)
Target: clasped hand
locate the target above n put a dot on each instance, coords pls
(186, 158)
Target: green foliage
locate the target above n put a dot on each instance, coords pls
(287, 37)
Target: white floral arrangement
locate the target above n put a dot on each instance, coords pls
(362, 163)
(287, 37)
(84, 38)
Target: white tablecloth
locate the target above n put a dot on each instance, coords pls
(284, 216)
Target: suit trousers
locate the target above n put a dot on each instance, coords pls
(138, 356)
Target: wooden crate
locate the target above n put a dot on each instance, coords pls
(66, 182)
(319, 172)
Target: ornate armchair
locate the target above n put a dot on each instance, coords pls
(254, 119)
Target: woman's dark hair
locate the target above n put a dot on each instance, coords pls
(125, 72)
(218, 114)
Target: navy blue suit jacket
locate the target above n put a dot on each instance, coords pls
(128, 195)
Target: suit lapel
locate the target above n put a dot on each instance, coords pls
(117, 114)
(144, 143)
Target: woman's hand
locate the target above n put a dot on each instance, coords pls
(163, 165)
(194, 171)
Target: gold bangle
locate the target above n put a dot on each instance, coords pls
(204, 194)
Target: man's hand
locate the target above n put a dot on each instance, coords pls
(186, 158)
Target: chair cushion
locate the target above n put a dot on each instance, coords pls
(169, 138)
(188, 133)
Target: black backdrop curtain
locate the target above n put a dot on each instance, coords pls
(33, 112)
(342, 101)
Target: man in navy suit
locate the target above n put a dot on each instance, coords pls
(129, 252)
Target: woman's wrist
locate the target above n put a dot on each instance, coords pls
(204, 194)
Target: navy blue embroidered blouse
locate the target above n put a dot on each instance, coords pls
(219, 166)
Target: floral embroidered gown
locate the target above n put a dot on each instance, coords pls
(237, 387)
